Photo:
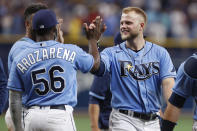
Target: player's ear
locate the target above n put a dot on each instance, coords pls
(142, 26)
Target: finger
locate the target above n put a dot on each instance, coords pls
(92, 26)
(98, 20)
(94, 21)
(98, 23)
(85, 26)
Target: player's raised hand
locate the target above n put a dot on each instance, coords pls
(95, 29)
(60, 37)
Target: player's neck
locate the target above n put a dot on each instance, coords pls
(43, 38)
(28, 34)
(135, 44)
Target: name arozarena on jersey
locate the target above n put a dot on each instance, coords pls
(45, 54)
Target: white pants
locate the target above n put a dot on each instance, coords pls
(121, 122)
(8, 121)
(47, 119)
(194, 127)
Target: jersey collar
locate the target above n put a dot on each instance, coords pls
(147, 47)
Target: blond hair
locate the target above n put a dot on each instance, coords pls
(136, 10)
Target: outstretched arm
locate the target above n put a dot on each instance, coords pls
(93, 34)
(15, 105)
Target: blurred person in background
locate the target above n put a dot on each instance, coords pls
(3, 89)
(192, 11)
(110, 15)
(185, 86)
(165, 11)
(100, 99)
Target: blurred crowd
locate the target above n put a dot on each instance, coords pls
(166, 18)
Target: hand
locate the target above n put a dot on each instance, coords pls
(60, 37)
(95, 29)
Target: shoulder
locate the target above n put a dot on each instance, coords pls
(72, 47)
(22, 41)
(113, 49)
(190, 66)
(158, 48)
(21, 44)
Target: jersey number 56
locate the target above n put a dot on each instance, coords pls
(48, 85)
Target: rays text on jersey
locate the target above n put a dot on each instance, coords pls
(45, 54)
(139, 72)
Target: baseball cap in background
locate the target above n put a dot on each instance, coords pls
(44, 19)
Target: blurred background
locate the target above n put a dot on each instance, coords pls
(171, 24)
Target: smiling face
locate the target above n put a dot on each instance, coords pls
(131, 25)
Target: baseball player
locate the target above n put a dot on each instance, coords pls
(139, 71)
(21, 44)
(185, 86)
(100, 99)
(3, 89)
(43, 79)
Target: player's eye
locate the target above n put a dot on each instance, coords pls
(128, 22)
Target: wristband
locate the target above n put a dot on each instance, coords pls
(167, 125)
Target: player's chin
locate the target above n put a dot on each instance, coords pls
(125, 37)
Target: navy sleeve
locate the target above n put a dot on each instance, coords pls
(93, 100)
(3, 89)
(99, 88)
(177, 100)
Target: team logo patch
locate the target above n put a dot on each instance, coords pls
(139, 72)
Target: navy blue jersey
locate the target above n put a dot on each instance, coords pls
(136, 76)
(45, 73)
(3, 89)
(100, 94)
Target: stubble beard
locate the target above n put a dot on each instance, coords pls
(129, 36)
